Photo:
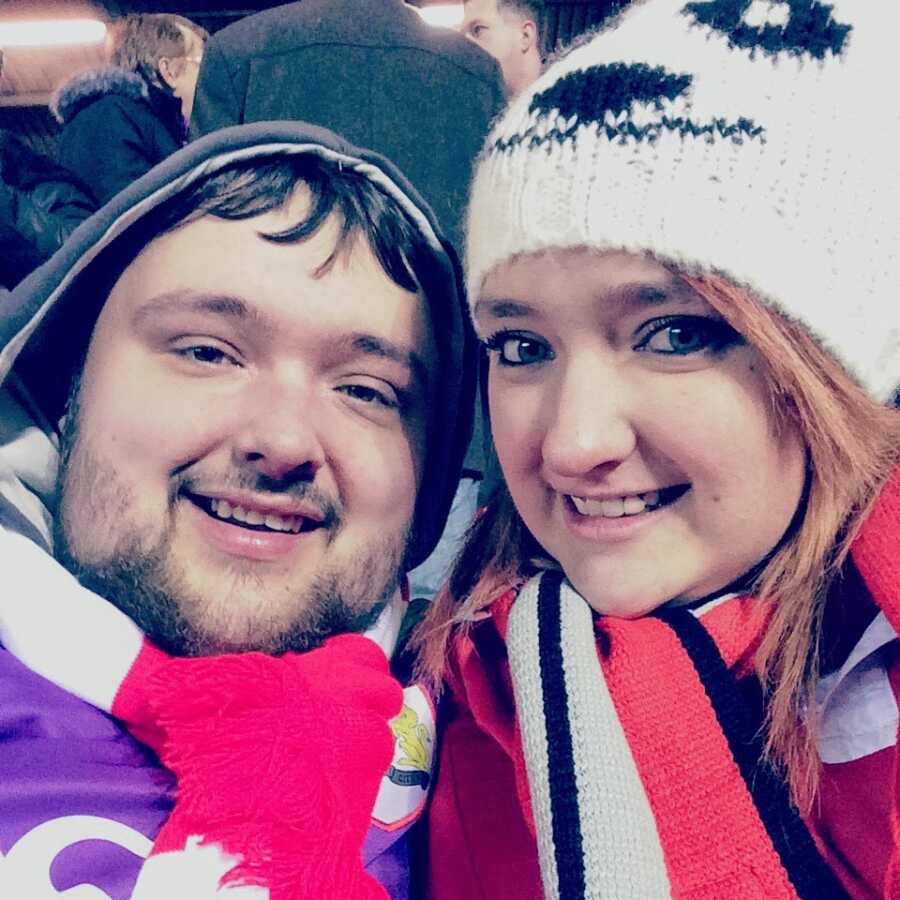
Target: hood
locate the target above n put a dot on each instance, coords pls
(85, 87)
(49, 318)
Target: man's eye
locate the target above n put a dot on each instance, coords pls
(206, 354)
(368, 394)
(518, 349)
(683, 335)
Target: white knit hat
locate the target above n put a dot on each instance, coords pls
(753, 138)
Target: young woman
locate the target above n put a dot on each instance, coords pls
(673, 661)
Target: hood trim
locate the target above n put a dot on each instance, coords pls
(84, 87)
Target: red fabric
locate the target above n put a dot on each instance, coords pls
(876, 551)
(848, 795)
(479, 843)
(278, 759)
(691, 779)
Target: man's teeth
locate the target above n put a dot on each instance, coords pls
(621, 506)
(224, 510)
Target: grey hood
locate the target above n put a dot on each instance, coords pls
(46, 324)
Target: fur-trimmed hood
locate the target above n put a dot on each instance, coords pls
(87, 86)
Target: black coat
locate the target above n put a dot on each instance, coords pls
(41, 204)
(115, 127)
(372, 71)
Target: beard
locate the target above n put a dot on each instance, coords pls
(140, 575)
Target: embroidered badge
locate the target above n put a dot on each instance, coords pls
(404, 787)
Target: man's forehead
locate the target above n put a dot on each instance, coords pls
(480, 10)
(233, 270)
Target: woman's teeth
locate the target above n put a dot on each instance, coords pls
(224, 510)
(614, 509)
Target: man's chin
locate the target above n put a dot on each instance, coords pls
(296, 637)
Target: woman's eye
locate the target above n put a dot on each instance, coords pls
(518, 349)
(683, 335)
(368, 394)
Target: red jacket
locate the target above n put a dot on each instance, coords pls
(480, 841)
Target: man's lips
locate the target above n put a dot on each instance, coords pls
(282, 515)
(267, 538)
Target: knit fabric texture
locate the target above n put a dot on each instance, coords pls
(746, 138)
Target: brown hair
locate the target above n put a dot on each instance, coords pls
(138, 41)
(852, 443)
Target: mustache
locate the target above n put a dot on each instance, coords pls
(291, 486)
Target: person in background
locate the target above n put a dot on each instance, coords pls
(510, 31)
(41, 203)
(674, 663)
(373, 72)
(120, 120)
(233, 411)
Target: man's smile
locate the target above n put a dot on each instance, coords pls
(291, 518)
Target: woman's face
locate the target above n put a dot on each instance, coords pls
(634, 428)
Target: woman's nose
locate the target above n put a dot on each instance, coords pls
(590, 426)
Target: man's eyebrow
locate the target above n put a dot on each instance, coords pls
(372, 345)
(188, 301)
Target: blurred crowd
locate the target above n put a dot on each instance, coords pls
(421, 96)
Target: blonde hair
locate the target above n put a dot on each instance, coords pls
(138, 41)
(852, 444)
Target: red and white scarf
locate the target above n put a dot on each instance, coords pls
(641, 766)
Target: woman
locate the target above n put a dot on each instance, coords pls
(673, 659)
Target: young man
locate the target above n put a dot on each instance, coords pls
(247, 351)
(510, 31)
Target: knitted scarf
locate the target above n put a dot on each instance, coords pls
(643, 749)
(278, 760)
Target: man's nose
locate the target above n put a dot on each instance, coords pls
(590, 427)
(281, 430)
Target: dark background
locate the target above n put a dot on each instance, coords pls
(30, 74)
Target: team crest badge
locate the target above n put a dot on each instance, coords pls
(404, 787)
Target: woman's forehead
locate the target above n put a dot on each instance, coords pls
(616, 280)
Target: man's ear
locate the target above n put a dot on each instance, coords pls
(528, 35)
(168, 70)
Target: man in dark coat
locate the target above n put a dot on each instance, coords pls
(372, 71)
(41, 204)
(121, 120)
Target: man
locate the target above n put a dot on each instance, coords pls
(377, 74)
(373, 72)
(248, 349)
(118, 121)
(508, 30)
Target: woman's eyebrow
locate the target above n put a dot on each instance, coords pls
(502, 309)
(644, 294)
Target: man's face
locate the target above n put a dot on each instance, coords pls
(244, 452)
(182, 73)
(499, 33)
